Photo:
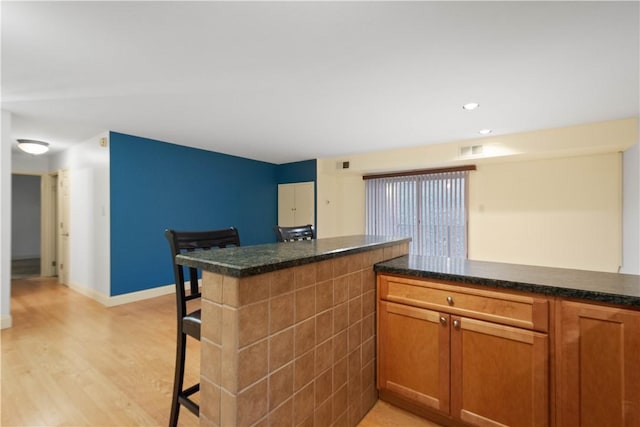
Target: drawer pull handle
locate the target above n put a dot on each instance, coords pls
(456, 324)
(443, 320)
(450, 300)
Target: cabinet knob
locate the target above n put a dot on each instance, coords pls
(450, 300)
(456, 324)
(443, 320)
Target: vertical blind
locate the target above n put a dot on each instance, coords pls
(431, 208)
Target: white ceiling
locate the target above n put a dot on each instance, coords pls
(288, 81)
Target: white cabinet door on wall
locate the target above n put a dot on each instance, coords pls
(296, 204)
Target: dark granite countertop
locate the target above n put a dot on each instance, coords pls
(246, 261)
(611, 288)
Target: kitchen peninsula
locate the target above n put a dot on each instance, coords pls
(466, 342)
(288, 331)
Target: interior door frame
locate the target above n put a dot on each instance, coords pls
(48, 224)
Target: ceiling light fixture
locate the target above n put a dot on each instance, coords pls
(485, 131)
(32, 146)
(470, 106)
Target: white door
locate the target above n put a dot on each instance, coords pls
(63, 226)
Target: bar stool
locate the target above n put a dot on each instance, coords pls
(189, 322)
(298, 232)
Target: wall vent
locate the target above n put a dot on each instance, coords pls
(342, 165)
(471, 150)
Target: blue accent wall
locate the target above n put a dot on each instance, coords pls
(303, 171)
(157, 185)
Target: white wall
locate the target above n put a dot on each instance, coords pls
(89, 225)
(631, 211)
(5, 221)
(532, 151)
(563, 212)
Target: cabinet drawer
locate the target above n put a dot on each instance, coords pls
(519, 310)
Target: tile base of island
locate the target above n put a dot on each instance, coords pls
(295, 344)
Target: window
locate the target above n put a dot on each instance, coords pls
(431, 207)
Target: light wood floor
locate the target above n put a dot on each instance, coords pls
(69, 361)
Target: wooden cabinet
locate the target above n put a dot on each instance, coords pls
(469, 355)
(296, 204)
(598, 366)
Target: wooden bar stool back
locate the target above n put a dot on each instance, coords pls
(189, 321)
(298, 232)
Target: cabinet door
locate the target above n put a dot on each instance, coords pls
(599, 366)
(305, 203)
(499, 374)
(413, 354)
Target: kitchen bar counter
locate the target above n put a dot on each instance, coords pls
(288, 331)
(247, 261)
(612, 288)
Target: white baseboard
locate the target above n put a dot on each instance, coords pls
(6, 322)
(111, 301)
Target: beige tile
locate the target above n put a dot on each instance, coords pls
(342, 420)
(324, 295)
(354, 413)
(304, 275)
(323, 415)
(206, 421)
(324, 270)
(368, 280)
(280, 349)
(340, 401)
(283, 415)
(253, 323)
(368, 303)
(264, 422)
(280, 312)
(308, 422)
(388, 252)
(340, 373)
(324, 325)
(303, 402)
(212, 286)
(354, 281)
(305, 303)
(303, 370)
(340, 290)
(323, 387)
(340, 317)
(229, 369)
(228, 409)
(368, 375)
(372, 257)
(229, 327)
(210, 393)
(368, 326)
(213, 353)
(354, 262)
(211, 321)
(280, 386)
(324, 356)
(340, 266)
(252, 404)
(304, 336)
(368, 350)
(355, 310)
(253, 289)
(355, 336)
(369, 398)
(355, 364)
(253, 364)
(282, 282)
(230, 291)
(340, 344)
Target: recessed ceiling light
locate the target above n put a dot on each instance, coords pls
(485, 131)
(470, 106)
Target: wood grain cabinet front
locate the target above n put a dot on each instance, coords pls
(598, 366)
(465, 370)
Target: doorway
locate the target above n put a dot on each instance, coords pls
(26, 201)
